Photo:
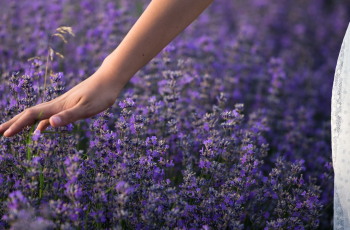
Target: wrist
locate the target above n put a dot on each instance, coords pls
(109, 79)
(113, 72)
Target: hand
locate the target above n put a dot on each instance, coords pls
(86, 99)
(150, 34)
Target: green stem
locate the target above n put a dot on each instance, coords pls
(165, 118)
(327, 207)
(47, 64)
(86, 216)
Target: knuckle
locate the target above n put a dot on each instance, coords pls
(86, 110)
(68, 115)
(29, 112)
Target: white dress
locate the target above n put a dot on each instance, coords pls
(340, 123)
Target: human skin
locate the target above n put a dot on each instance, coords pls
(159, 24)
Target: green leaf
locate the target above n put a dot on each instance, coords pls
(28, 153)
(41, 176)
(139, 8)
(19, 171)
(67, 132)
(47, 185)
(36, 121)
(37, 152)
(65, 170)
(30, 135)
(110, 188)
(86, 216)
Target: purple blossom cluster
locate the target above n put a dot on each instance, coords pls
(227, 128)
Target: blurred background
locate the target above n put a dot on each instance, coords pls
(276, 57)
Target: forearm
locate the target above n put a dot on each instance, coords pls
(160, 23)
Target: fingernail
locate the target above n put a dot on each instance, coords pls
(7, 131)
(56, 121)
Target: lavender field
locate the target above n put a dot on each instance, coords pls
(227, 128)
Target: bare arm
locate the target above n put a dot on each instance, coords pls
(161, 22)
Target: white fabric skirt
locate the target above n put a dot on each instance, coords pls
(340, 123)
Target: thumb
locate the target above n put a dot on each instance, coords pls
(66, 117)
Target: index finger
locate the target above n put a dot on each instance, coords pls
(7, 124)
(28, 117)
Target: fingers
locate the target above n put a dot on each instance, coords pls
(43, 125)
(28, 117)
(68, 116)
(6, 125)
